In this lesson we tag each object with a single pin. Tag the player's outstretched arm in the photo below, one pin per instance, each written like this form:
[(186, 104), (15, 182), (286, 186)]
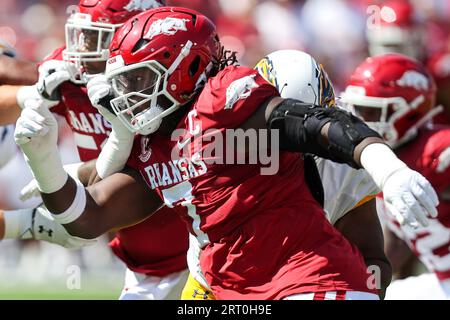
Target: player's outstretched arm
[(9, 107), (42, 85), (38, 224), (17, 72), (337, 135), (120, 200), (14, 74)]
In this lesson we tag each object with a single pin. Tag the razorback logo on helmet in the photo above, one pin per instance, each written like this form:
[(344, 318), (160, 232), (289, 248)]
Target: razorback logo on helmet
[(142, 5), (240, 89), (168, 26), (414, 79)]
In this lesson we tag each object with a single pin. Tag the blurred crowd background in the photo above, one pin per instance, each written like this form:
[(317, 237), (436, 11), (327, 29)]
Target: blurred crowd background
[(333, 31)]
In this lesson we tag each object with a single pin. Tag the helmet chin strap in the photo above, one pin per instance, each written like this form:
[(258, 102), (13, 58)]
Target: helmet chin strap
[(154, 113), (183, 54)]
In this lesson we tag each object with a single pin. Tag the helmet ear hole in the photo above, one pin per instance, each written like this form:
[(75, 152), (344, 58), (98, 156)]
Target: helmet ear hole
[(194, 66)]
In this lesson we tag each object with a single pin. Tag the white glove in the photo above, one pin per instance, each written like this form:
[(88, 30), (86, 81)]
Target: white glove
[(117, 149), (37, 134), (30, 92), (31, 189), (52, 74), (98, 87), (409, 197), (38, 223)]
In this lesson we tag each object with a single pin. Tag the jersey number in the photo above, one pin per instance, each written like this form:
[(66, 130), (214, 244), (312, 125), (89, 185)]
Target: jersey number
[(183, 192)]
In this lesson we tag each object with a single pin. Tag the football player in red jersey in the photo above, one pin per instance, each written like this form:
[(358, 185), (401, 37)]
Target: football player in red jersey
[(156, 263), (401, 31), (167, 71), (397, 31), (439, 66), (346, 194), (396, 96)]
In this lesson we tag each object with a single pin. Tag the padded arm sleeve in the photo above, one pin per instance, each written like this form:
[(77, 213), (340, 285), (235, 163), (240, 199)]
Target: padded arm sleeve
[(300, 125)]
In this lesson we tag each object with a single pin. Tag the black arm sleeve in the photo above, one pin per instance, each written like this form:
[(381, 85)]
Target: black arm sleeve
[(300, 125)]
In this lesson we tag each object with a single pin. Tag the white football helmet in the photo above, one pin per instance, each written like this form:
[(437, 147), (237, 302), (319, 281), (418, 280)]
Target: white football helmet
[(297, 75)]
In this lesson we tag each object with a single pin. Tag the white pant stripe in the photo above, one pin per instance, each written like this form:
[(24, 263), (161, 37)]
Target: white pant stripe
[(300, 296), (330, 295)]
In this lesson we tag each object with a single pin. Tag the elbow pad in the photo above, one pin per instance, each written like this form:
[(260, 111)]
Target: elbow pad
[(300, 124)]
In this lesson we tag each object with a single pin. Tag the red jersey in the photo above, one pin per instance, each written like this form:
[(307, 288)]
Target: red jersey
[(146, 247), (429, 154), (263, 237), (442, 118)]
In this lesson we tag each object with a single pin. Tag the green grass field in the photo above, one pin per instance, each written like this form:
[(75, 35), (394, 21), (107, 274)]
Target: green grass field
[(91, 288)]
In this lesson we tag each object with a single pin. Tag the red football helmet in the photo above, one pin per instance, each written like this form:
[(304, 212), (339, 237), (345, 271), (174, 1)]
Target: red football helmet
[(394, 94), (399, 31), (439, 66), (159, 60), (89, 31)]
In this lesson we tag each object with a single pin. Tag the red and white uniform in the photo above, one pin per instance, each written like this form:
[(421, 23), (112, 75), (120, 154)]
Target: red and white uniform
[(345, 188), (157, 246), (429, 154), (439, 66), (239, 215)]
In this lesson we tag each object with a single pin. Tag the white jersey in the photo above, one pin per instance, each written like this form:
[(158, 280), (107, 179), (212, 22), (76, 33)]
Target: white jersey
[(7, 144), (344, 188)]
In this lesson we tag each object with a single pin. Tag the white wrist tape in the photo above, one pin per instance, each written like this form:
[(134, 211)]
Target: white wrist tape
[(49, 173), (76, 209), (114, 154), (26, 92), (380, 162), (18, 224)]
